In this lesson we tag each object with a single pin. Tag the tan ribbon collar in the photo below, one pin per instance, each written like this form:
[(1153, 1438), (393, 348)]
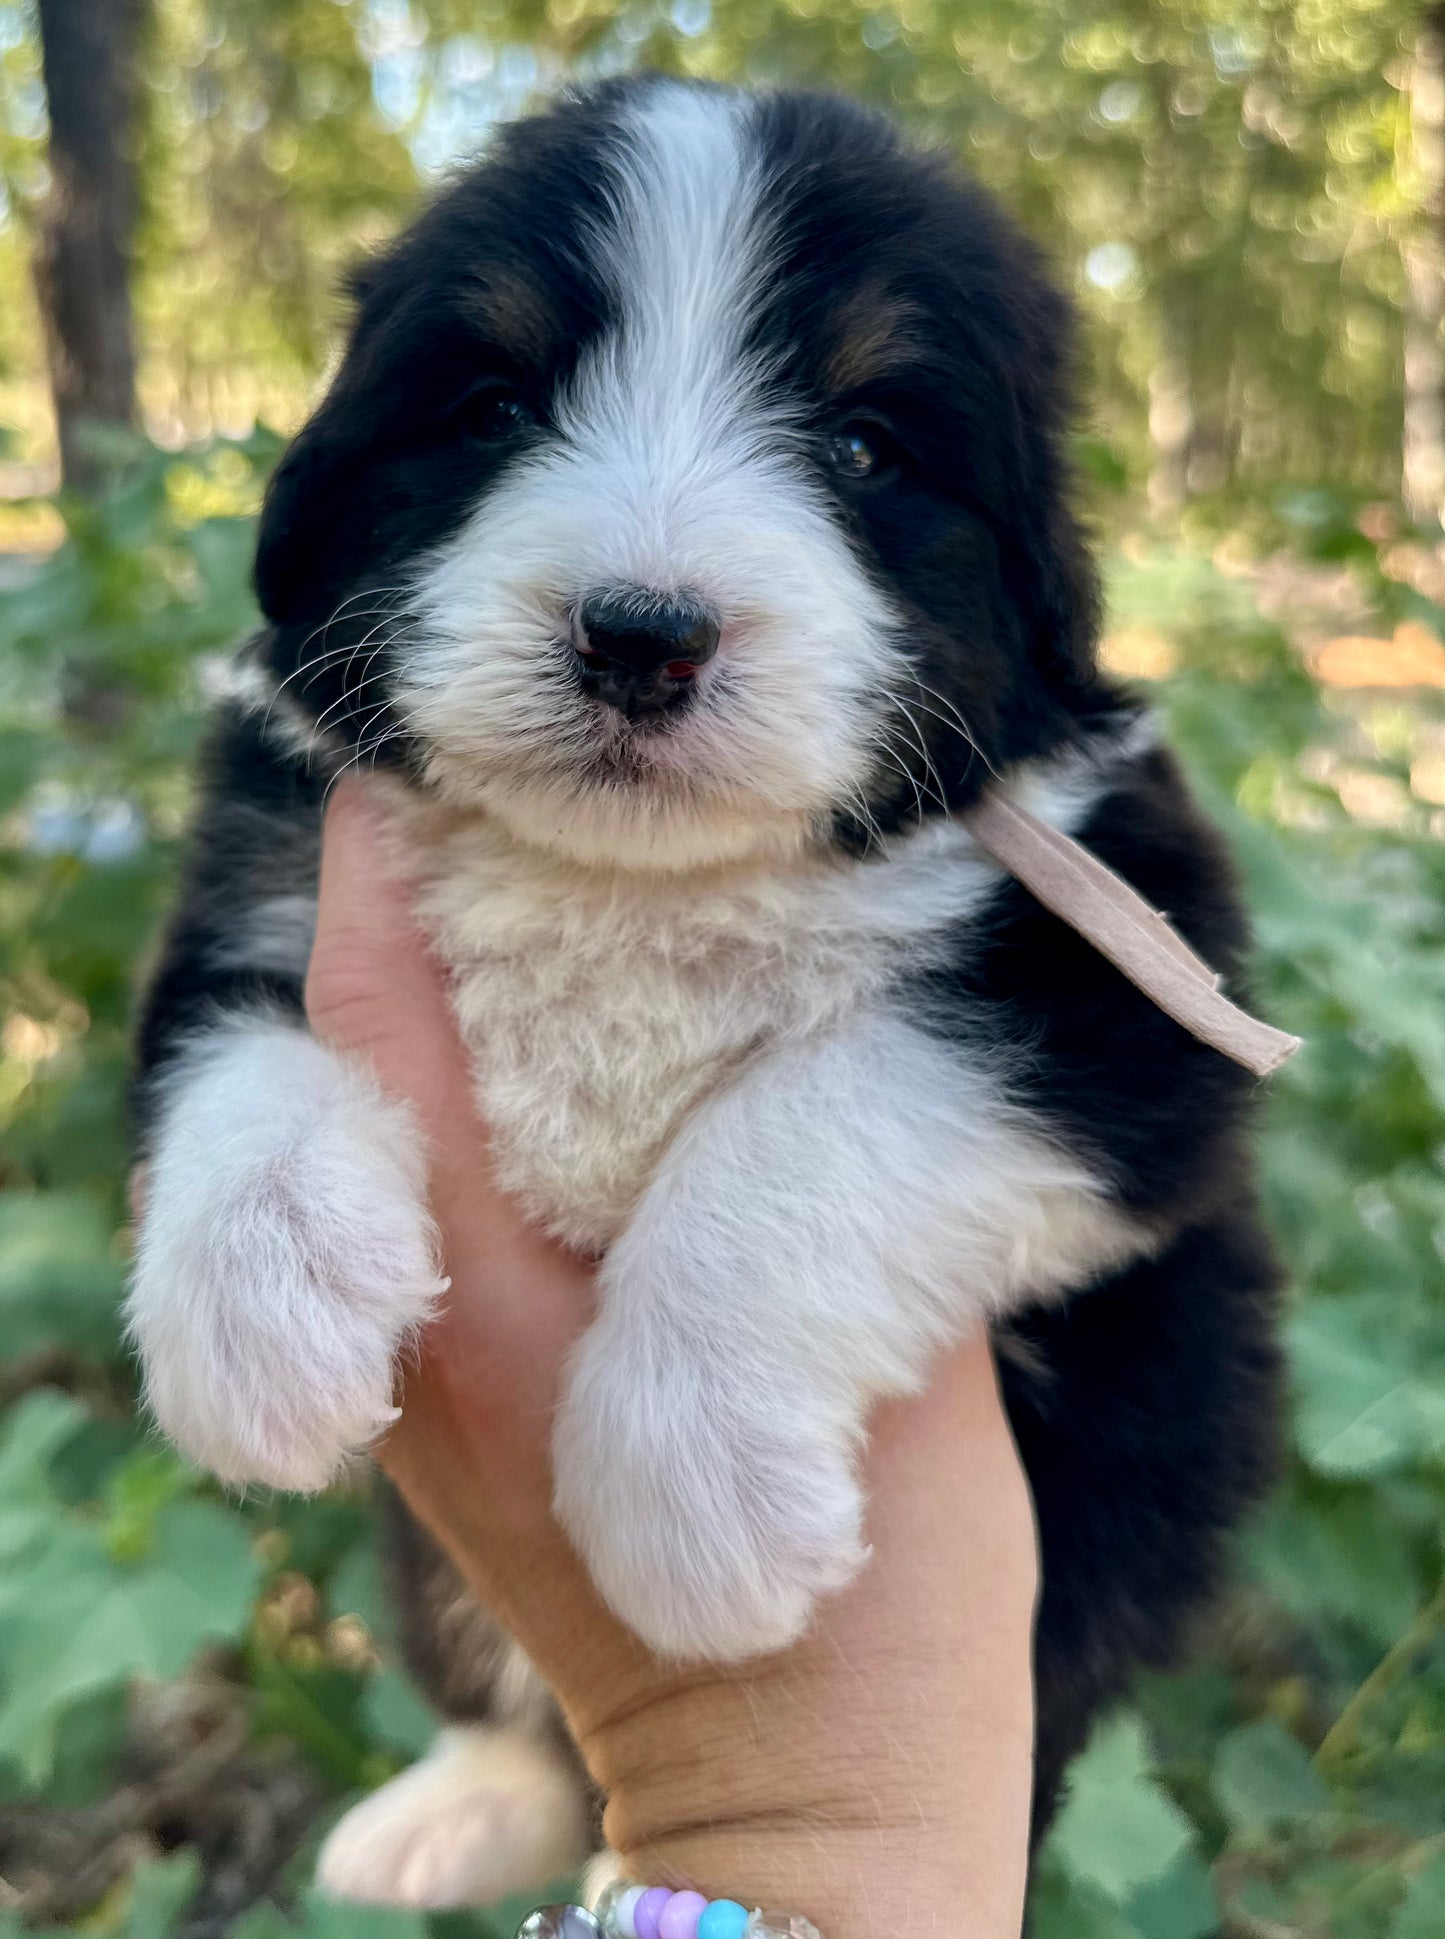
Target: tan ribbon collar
[(1078, 888)]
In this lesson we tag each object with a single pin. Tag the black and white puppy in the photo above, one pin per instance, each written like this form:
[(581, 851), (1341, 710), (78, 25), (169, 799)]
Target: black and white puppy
[(686, 532)]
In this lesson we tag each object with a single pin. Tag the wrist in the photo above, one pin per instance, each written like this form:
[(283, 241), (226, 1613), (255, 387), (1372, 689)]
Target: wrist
[(783, 1785), (849, 1885)]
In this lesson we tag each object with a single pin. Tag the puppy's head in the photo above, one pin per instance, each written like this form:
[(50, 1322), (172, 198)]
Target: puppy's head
[(691, 484)]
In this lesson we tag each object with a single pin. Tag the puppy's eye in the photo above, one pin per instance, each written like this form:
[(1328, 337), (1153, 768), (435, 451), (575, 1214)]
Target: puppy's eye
[(852, 454), (492, 411), (860, 451)]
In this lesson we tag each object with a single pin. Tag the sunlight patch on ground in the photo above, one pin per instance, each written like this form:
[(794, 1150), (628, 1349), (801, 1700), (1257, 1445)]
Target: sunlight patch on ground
[(1138, 653), (1411, 657)]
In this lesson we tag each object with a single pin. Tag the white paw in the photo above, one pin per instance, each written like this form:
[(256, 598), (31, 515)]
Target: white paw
[(485, 1813), (285, 1258), (711, 1514)]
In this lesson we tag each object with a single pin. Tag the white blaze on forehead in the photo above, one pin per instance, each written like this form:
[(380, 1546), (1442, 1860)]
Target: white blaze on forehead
[(668, 400), (684, 255)]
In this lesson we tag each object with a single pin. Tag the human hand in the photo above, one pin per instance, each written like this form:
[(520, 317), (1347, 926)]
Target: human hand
[(876, 1775)]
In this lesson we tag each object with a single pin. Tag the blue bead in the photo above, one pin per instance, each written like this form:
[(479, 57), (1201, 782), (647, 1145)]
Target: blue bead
[(723, 1919)]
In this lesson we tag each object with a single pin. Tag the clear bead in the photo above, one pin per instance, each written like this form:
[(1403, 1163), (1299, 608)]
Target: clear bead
[(781, 1925), (559, 1922), (608, 1905)]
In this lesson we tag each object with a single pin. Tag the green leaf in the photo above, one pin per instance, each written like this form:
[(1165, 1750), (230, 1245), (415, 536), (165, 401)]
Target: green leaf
[(1328, 1555), (88, 1738), (1263, 1777), (1356, 1412), (35, 1428), (396, 1714), (22, 756), (1117, 1829), (79, 1622), (159, 1892), (1181, 1905), (197, 1585), (138, 1489), (34, 1431), (1066, 1908), (264, 1920), (357, 1589), (1421, 1914), (328, 1919)]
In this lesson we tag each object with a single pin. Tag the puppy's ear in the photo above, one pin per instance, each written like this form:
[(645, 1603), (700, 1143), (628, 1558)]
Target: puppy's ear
[(297, 515), (1055, 580), (1060, 592), (311, 499)]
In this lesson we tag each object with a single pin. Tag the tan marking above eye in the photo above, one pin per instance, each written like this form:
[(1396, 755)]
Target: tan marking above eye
[(870, 334), (515, 313)]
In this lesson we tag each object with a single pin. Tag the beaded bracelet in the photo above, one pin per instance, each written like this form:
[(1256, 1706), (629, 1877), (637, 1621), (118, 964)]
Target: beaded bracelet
[(642, 1912)]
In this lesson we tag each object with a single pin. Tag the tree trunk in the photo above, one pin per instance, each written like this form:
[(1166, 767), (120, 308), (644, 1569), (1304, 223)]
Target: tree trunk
[(1424, 426), (87, 222)]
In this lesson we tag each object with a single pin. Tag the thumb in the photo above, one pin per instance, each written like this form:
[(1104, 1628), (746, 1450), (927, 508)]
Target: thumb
[(373, 989)]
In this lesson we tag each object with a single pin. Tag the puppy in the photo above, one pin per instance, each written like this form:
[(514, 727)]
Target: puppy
[(686, 533)]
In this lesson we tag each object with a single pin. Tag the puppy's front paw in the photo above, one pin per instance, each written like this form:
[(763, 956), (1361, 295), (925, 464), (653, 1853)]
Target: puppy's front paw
[(711, 1516), (285, 1257)]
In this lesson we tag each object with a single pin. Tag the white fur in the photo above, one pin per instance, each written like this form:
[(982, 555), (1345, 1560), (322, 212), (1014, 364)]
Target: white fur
[(602, 1006), (285, 1257), (666, 469), (818, 1230), (486, 1812)]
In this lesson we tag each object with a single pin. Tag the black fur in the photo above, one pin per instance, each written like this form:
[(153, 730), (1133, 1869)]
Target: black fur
[(257, 835), (1144, 1407)]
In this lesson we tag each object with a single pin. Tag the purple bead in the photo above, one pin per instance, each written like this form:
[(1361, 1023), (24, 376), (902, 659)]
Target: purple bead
[(680, 1916), (649, 1911)]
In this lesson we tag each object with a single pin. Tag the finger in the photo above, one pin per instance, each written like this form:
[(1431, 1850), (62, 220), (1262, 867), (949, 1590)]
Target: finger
[(373, 988)]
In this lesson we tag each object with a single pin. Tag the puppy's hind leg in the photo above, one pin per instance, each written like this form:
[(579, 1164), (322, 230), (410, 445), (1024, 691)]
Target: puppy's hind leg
[(489, 1810), (501, 1802)]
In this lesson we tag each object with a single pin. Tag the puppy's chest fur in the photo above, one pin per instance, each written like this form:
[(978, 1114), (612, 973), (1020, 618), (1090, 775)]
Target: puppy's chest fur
[(599, 1009)]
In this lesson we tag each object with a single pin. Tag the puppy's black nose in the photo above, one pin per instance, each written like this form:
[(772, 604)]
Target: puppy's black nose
[(639, 652)]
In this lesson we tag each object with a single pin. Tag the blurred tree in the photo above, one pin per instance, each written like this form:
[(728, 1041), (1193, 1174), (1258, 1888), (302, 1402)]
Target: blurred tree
[(1230, 185), (1424, 413), (269, 167), (86, 224)]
